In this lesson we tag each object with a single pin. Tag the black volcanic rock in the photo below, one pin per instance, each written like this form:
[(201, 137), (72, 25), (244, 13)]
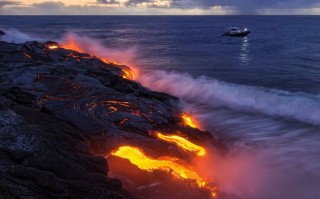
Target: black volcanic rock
[(61, 111)]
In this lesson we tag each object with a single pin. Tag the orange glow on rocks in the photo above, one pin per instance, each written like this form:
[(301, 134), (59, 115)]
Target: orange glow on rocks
[(187, 120), (182, 143)]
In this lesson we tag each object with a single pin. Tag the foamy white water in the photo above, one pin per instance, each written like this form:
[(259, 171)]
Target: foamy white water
[(210, 92)]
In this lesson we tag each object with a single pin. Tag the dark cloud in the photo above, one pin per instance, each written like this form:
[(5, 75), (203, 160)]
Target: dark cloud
[(49, 5), (6, 3), (243, 6), (178, 7), (132, 3), (193, 3), (247, 6), (107, 2), (135, 2)]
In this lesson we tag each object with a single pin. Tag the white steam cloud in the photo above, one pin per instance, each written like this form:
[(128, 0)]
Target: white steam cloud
[(94, 47), (16, 36)]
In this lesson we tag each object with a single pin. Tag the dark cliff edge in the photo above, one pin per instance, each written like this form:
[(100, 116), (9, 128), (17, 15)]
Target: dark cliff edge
[(62, 111)]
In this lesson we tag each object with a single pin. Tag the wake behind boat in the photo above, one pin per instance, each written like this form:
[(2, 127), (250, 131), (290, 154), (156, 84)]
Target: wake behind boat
[(236, 32)]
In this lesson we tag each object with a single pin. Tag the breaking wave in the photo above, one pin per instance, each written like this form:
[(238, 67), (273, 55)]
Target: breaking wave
[(210, 92)]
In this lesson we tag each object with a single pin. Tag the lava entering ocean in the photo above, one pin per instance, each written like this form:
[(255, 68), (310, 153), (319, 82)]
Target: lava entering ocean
[(168, 164), (172, 165)]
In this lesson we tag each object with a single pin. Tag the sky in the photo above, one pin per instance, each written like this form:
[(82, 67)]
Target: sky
[(159, 7)]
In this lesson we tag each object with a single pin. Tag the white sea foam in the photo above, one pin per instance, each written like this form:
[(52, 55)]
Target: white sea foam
[(210, 92)]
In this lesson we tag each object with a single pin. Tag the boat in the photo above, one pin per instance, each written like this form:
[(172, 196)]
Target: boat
[(236, 32)]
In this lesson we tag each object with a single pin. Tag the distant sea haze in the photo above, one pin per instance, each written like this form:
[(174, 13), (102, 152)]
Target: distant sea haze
[(261, 91)]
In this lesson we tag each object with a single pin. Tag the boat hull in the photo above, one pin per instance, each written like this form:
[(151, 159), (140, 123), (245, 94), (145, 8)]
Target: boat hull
[(242, 34)]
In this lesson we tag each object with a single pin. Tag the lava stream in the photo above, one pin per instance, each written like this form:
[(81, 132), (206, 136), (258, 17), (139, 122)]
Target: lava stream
[(169, 164), (128, 73), (187, 120), (52, 46), (182, 143)]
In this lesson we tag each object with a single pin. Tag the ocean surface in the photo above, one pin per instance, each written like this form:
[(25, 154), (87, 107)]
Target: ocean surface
[(261, 92)]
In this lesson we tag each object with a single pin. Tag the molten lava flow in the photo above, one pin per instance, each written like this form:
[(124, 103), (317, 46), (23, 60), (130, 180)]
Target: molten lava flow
[(183, 143), (107, 61), (138, 158), (127, 72), (188, 120), (53, 47)]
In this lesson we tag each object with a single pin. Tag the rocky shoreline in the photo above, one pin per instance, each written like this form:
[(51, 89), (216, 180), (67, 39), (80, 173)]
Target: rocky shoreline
[(62, 112)]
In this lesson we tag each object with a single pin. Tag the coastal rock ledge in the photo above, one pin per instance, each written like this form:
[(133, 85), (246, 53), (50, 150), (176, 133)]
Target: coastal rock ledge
[(61, 114)]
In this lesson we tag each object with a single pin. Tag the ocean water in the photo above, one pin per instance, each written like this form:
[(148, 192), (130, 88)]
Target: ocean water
[(261, 92)]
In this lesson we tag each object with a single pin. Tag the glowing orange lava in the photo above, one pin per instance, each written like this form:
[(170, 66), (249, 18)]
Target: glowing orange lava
[(188, 120), (107, 61), (127, 72), (138, 158), (182, 143), (53, 47), (169, 164)]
